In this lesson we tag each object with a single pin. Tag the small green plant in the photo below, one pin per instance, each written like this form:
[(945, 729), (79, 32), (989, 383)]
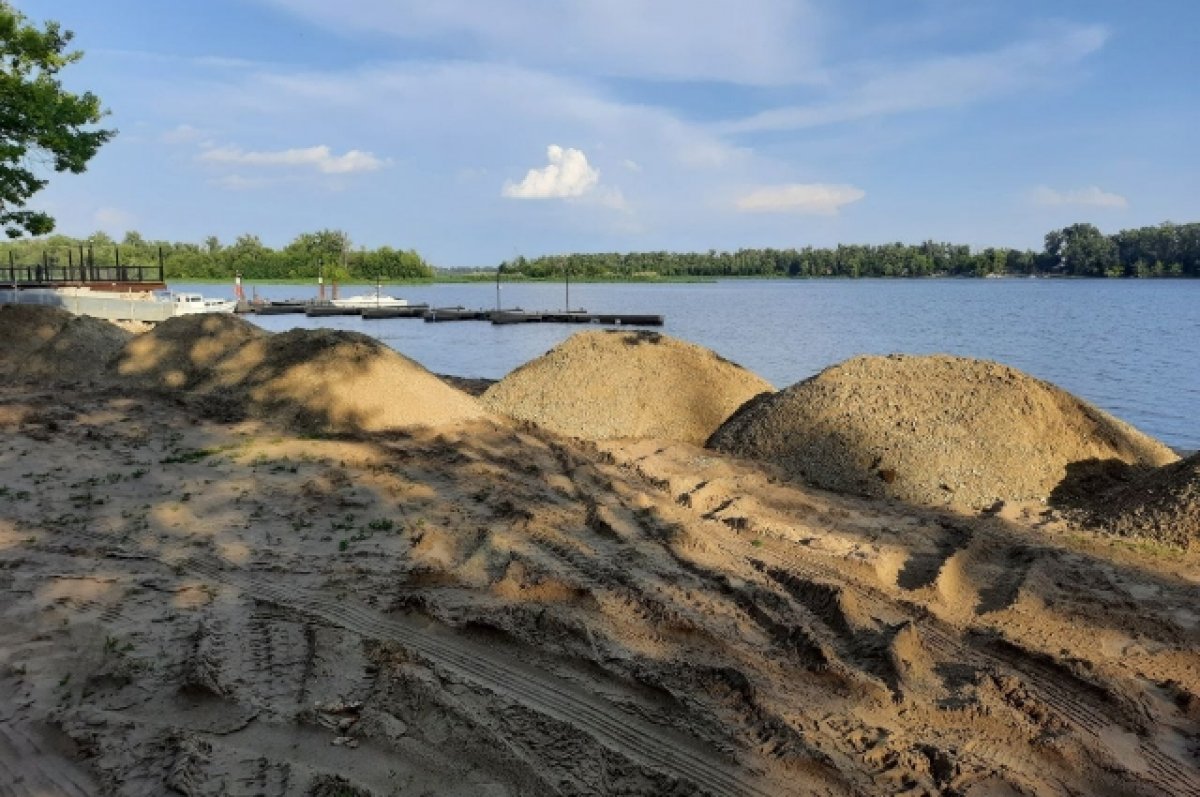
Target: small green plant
[(343, 544), (189, 455), (381, 524)]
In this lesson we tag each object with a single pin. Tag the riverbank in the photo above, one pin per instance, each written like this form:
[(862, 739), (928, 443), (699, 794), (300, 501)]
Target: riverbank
[(201, 592)]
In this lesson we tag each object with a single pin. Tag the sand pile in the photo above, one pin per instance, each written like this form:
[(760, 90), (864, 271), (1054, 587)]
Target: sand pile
[(312, 380), (608, 384), (45, 343), (1162, 505), (935, 429), (185, 352)]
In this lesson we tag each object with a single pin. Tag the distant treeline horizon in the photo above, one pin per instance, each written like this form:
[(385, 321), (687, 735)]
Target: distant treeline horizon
[(1079, 250)]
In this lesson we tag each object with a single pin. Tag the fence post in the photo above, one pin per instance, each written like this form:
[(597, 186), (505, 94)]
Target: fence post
[(162, 274)]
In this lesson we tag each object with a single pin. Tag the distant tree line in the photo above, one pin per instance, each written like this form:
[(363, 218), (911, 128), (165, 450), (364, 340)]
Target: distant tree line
[(1080, 250), (327, 251)]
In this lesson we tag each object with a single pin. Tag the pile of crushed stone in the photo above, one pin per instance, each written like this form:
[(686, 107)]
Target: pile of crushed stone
[(607, 384), (931, 430), (48, 344), (313, 380), (1162, 505)]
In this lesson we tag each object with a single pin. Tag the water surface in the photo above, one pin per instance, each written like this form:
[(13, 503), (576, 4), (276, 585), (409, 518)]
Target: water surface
[(1131, 347)]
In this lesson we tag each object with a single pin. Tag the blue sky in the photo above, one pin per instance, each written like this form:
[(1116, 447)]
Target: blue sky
[(474, 130)]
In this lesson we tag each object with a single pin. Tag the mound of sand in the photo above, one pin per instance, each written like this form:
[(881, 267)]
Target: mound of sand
[(310, 380), (932, 430), (185, 352), (1162, 505), (44, 343), (608, 384)]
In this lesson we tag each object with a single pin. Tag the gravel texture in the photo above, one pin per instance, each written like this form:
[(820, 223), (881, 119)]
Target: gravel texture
[(1162, 505), (608, 384), (931, 430)]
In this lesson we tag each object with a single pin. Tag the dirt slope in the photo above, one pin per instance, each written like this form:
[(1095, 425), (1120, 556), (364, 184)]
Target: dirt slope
[(44, 343), (311, 380), (1161, 505), (605, 384), (205, 608), (931, 430)]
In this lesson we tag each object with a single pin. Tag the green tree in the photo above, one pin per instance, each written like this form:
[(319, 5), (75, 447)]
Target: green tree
[(1082, 250), (41, 124)]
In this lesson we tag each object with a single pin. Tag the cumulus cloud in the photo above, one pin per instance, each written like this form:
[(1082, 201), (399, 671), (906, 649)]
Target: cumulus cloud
[(567, 174), (320, 157), (1092, 197), (813, 198)]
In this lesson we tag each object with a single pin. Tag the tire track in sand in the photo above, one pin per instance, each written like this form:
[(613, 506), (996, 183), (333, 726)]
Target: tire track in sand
[(1085, 711), (656, 747)]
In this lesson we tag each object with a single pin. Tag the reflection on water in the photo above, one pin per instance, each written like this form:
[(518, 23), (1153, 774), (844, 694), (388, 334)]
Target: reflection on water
[(1129, 346)]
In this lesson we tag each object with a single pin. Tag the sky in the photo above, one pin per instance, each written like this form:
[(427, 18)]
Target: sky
[(477, 130)]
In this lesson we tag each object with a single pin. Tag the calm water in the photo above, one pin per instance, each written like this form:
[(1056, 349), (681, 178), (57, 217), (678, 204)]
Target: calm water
[(1131, 347)]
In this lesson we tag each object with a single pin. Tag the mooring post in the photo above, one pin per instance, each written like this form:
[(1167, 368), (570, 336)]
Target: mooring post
[(498, 270), (162, 274)]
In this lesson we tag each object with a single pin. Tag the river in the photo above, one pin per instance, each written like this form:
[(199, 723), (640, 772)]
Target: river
[(1131, 347)]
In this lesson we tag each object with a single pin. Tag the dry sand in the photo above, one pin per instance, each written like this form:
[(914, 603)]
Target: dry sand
[(1161, 505), (605, 384), (43, 343), (210, 608), (312, 380), (932, 430)]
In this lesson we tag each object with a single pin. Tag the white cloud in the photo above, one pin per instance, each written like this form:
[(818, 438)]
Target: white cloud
[(567, 174), (939, 82), (813, 198), (1092, 196), (113, 220), (319, 157), (738, 41)]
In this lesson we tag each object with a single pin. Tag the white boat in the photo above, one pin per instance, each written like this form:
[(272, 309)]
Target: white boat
[(189, 303), (376, 299)]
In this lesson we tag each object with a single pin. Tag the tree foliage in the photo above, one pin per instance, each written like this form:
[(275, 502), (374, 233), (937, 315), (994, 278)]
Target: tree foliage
[(41, 124), (1080, 250), (326, 252)]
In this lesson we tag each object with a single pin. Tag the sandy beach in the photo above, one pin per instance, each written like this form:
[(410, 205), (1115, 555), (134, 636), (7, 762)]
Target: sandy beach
[(267, 579)]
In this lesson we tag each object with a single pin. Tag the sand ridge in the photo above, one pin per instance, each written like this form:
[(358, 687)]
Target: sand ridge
[(615, 383), (931, 430), (45, 343), (316, 380)]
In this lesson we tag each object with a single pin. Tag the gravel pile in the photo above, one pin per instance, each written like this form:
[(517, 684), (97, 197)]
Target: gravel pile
[(931, 430), (1162, 505), (607, 384), (49, 344), (311, 380)]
